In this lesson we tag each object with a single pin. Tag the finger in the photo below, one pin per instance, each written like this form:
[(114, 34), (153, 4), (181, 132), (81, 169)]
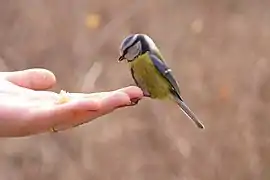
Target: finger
[(76, 111), (80, 105), (115, 100), (110, 102), (80, 110), (132, 92), (108, 105), (36, 79)]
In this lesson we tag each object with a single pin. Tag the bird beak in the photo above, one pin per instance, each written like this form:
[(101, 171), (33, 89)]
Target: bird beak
[(121, 58)]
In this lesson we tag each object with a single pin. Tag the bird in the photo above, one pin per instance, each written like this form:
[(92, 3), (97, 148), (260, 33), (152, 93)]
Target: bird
[(151, 73)]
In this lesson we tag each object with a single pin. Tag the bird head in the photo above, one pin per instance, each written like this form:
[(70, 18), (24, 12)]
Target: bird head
[(135, 45)]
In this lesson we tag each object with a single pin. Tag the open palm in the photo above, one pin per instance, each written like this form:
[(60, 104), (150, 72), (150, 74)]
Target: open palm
[(26, 108)]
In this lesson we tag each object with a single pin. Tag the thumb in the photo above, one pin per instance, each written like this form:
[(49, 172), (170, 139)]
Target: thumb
[(36, 79)]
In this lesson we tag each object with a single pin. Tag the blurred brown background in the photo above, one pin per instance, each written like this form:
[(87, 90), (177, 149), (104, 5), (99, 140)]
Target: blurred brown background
[(219, 52)]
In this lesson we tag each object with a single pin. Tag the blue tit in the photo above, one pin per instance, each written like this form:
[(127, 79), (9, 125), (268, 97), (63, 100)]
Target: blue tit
[(150, 72)]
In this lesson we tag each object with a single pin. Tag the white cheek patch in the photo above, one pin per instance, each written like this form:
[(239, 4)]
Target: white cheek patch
[(133, 51), (129, 56)]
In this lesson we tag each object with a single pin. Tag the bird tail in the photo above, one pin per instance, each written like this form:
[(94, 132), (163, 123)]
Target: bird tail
[(188, 112)]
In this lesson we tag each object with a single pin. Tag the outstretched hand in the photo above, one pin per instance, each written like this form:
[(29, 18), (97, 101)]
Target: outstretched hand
[(27, 109)]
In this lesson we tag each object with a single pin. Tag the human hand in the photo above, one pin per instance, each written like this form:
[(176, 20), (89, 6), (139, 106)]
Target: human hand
[(27, 109)]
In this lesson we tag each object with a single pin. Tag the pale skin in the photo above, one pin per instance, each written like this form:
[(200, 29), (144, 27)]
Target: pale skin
[(27, 107)]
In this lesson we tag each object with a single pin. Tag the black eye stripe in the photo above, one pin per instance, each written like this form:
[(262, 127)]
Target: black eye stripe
[(126, 50)]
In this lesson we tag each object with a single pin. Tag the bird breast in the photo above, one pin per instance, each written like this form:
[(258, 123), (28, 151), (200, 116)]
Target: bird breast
[(150, 78)]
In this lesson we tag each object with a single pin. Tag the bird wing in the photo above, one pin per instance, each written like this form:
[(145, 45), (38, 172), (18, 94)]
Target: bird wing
[(165, 71), (158, 55)]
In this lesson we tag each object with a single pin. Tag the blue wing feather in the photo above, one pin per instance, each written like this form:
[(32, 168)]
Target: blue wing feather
[(165, 71)]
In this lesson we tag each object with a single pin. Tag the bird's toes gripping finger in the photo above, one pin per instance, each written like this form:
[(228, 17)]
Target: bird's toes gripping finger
[(134, 101), (145, 94)]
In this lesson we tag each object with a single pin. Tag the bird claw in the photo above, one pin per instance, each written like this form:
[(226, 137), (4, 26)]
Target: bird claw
[(134, 101), (145, 93)]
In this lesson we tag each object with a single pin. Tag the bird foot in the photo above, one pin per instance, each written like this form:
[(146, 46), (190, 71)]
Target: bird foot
[(145, 93), (134, 101)]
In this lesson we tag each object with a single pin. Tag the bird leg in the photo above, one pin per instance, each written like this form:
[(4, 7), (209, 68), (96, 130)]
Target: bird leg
[(134, 101), (145, 93)]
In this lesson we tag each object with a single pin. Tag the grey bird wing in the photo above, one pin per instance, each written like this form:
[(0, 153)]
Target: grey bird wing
[(145, 92), (165, 71)]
